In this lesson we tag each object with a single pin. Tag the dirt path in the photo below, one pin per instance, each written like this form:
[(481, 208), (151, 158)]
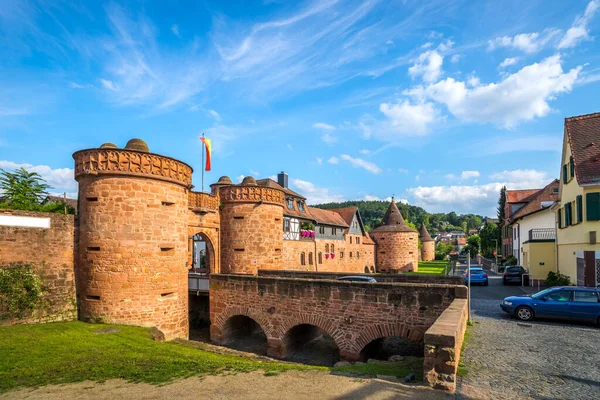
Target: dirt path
[(248, 386)]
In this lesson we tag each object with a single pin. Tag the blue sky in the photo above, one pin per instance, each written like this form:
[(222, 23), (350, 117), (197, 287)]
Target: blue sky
[(437, 102)]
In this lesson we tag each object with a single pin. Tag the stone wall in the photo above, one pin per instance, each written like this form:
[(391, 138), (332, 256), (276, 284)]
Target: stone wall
[(397, 251), (353, 314), (50, 252), (350, 258), (443, 343), (412, 278)]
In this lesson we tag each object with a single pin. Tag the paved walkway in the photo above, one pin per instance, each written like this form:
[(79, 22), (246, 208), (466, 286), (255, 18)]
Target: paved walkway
[(507, 359)]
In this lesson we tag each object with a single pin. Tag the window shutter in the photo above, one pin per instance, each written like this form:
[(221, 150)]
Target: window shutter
[(592, 206), (560, 217), (579, 208), (564, 173), (572, 166), (567, 214)]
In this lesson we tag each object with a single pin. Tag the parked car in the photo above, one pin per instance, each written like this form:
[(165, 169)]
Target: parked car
[(357, 279), (478, 275), (568, 303), (514, 274)]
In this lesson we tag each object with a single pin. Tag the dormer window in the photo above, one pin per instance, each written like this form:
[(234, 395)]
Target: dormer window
[(301, 206), (555, 190), (290, 203)]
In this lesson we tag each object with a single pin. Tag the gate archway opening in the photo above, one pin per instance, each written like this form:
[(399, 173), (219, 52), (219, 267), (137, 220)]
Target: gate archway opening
[(385, 347), (310, 344), (243, 333), (201, 262), (203, 254)]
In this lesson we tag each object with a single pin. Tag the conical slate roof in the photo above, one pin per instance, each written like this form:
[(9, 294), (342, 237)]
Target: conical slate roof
[(393, 221), (424, 234)]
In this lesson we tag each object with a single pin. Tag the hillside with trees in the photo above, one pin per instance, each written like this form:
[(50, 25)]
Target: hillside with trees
[(373, 211)]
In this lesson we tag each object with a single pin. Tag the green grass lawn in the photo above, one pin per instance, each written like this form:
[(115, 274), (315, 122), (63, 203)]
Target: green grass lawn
[(431, 268), (36, 355)]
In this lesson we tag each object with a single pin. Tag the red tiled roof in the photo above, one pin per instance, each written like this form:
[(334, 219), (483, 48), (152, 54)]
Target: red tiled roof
[(327, 217), (519, 196), (61, 199), (347, 213), (535, 202), (461, 241), (268, 182), (584, 136), (393, 221)]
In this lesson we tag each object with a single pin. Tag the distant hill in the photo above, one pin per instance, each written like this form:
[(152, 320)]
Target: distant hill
[(373, 211)]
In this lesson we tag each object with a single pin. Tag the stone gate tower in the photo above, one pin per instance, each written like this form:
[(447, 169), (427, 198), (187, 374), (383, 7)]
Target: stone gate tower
[(427, 244), (251, 227), (133, 237), (397, 243)]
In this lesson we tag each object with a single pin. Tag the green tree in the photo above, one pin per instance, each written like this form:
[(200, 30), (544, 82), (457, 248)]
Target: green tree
[(501, 216), (473, 244), (489, 235), (23, 190)]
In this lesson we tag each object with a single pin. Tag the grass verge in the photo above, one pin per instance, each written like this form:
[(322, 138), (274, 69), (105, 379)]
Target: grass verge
[(398, 369), (462, 370), (37, 355), (431, 268)]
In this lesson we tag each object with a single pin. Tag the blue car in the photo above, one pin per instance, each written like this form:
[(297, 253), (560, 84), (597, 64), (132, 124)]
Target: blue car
[(567, 303), (478, 275)]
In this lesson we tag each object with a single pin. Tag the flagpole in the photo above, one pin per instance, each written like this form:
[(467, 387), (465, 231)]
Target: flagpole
[(203, 146)]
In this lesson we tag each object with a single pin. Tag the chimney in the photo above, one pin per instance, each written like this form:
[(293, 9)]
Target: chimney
[(282, 179)]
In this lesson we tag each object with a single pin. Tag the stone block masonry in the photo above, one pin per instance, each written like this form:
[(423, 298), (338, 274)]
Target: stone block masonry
[(408, 278), (353, 314), (50, 252), (443, 343)]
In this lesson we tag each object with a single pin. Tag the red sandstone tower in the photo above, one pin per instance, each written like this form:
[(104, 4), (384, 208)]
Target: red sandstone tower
[(251, 227), (427, 244), (133, 237), (397, 243)]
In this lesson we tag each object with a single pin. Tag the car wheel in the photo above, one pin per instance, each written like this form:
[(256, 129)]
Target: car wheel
[(485, 283), (524, 313)]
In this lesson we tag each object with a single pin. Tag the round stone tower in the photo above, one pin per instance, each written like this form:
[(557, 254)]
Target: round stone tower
[(133, 237), (397, 243), (427, 244), (251, 227)]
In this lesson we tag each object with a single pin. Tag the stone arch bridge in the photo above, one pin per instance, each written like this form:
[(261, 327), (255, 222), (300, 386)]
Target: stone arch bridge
[(353, 314)]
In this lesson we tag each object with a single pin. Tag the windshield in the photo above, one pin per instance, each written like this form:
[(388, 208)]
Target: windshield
[(476, 270), (541, 294)]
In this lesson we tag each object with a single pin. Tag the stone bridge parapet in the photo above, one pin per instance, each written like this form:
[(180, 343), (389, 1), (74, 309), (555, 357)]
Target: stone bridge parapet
[(407, 278), (353, 314)]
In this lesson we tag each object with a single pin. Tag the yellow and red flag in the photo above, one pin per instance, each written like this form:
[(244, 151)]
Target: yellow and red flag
[(207, 145)]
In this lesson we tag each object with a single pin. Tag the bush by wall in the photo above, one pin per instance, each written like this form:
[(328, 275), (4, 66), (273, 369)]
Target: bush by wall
[(557, 279), (20, 291)]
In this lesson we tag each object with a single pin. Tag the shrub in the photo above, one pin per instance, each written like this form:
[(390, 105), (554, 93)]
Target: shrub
[(440, 256), (20, 291), (557, 279), (511, 260)]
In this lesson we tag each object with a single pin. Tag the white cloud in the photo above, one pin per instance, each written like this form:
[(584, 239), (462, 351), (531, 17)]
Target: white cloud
[(333, 160), (579, 30), (500, 144), (527, 42), (59, 178), (290, 148), (110, 85), (319, 160), (360, 163), (314, 194), (402, 119), (369, 197), (521, 96), (403, 171), (329, 139), (455, 58), (214, 114), (365, 151), (323, 126), (508, 62), (428, 66), (240, 178), (175, 30), (256, 174), (469, 174), (75, 85), (480, 199)]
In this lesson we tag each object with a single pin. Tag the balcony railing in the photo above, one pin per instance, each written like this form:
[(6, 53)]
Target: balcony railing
[(199, 201), (542, 234)]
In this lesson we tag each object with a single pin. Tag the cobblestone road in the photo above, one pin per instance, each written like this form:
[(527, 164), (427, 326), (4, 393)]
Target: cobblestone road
[(507, 359)]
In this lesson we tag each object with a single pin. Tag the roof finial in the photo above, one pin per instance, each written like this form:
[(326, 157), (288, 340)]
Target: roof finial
[(393, 194)]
